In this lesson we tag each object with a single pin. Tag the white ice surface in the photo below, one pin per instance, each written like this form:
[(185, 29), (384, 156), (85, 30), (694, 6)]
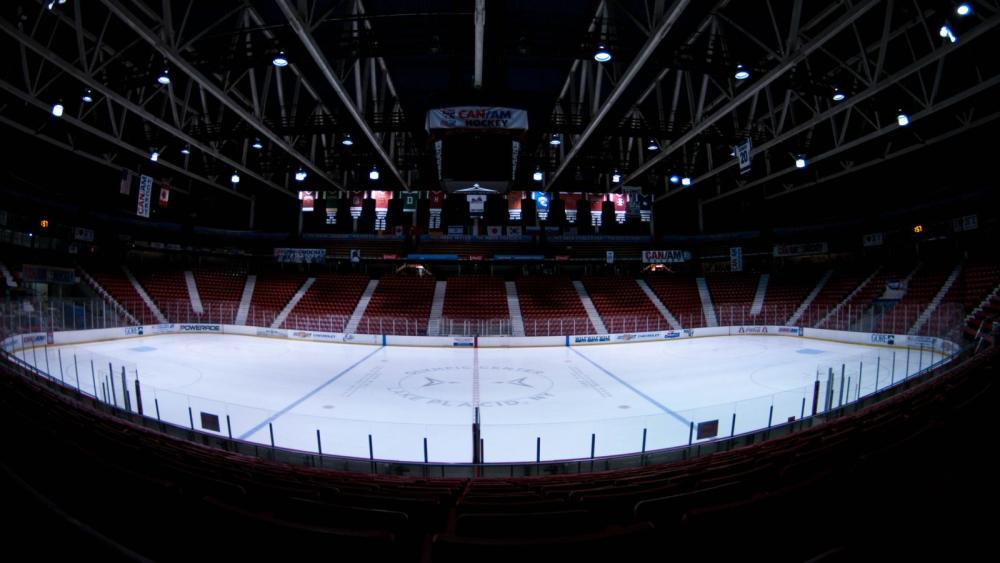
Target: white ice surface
[(401, 395)]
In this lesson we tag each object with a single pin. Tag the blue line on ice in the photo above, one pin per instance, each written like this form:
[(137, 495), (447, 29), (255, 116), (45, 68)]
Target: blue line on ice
[(304, 398), (658, 404)]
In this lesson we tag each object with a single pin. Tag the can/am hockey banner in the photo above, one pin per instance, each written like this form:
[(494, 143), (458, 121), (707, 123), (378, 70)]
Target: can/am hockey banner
[(300, 255), (743, 155), (145, 196), (665, 256), (800, 249), (409, 201), (475, 117), (736, 259)]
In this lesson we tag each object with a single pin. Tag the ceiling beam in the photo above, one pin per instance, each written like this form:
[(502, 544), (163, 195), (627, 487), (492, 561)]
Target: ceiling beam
[(480, 23), (790, 62), (647, 51), (300, 29), (178, 62)]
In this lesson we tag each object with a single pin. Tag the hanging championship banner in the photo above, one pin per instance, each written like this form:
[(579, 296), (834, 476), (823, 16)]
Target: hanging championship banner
[(596, 208), (541, 204), (125, 186), (410, 201), (477, 204), (569, 203), (474, 117), (381, 208), (743, 155), (145, 196), (438, 146), (357, 202), (308, 200), (436, 201), (514, 205), (646, 207), (515, 149), (736, 259), (331, 208), (633, 195)]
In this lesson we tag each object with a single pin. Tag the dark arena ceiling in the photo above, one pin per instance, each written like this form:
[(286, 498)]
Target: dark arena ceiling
[(371, 69)]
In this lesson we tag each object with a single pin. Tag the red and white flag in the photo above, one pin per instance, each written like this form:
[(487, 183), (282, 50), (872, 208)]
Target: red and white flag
[(164, 193)]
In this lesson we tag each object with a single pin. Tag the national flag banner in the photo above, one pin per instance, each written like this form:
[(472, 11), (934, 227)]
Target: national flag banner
[(494, 231), (164, 193), (145, 196), (125, 187), (410, 201), (743, 155)]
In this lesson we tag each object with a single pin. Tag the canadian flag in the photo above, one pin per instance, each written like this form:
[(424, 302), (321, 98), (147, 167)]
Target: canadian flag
[(164, 193)]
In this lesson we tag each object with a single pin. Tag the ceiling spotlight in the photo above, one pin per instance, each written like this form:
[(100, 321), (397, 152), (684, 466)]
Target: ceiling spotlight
[(235, 178), (616, 177), (946, 33), (602, 54), (800, 161), (556, 140), (300, 176), (257, 144), (186, 151), (537, 175), (652, 146), (87, 97), (347, 140), (373, 174), (685, 181), (902, 119), (57, 109), (963, 9), (838, 96), (741, 73), (154, 156), (675, 179), (280, 60), (164, 78)]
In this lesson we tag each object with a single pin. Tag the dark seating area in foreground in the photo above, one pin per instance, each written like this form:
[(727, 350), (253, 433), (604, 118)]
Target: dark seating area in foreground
[(902, 477)]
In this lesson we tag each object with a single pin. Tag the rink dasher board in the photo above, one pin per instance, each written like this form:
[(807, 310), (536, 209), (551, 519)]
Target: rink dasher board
[(892, 341)]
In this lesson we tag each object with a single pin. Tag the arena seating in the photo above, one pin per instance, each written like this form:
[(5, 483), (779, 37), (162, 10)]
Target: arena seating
[(400, 305), (854, 307), (122, 290), (622, 305), (920, 290), (476, 299), (732, 294), (168, 289), (551, 306), (220, 291), (271, 293), (785, 293), (328, 303), (679, 295)]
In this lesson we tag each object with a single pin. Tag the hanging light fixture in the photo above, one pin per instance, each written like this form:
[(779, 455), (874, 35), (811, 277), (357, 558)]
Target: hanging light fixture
[(257, 144), (347, 140), (537, 175), (164, 77), (675, 179), (300, 176), (186, 150), (602, 54), (652, 146), (57, 109), (154, 156), (555, 140), (800, 161), (741, 73), (616, 177), (838, 96), (280, 60), (902, 119), (373, 174), (235, 178), (87, 97)]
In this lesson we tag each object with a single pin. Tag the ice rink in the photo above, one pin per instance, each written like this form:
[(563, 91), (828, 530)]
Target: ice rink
[(358, 400)]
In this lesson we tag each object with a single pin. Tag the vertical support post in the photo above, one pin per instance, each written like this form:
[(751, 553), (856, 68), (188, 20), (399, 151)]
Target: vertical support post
[(643, 440), (802, 414), (229, 427), (76, 368), (691, 433), (191, 417), (156, 403), (732, 426), (125, 398), (892, 377), (319, 446), (770, 416), (61, 378), (538, 449), (93, 377), (593, 442), (840, 394), (920, 359), (425, 449), (906, 371), (45, 349), (878, 366), (270, 429), (815, 397), (111, 378), (138, 396)]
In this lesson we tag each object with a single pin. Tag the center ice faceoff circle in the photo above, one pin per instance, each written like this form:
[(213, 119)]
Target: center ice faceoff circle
[(448, 386)]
